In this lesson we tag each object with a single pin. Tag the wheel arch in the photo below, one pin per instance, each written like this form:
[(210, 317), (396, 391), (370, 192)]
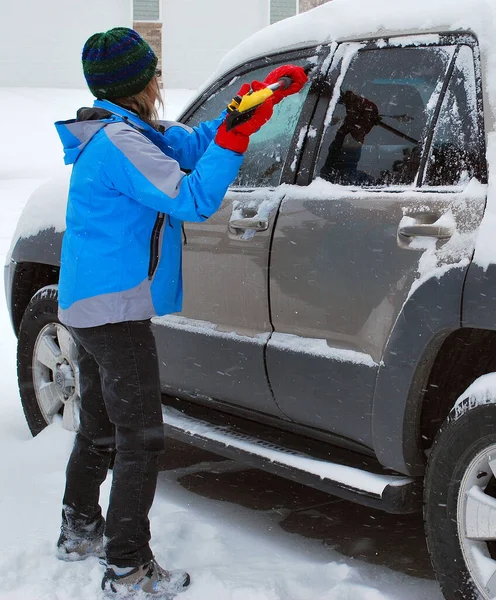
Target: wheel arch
[(464, 356), (430, 314), (34, 263), (450, 363)]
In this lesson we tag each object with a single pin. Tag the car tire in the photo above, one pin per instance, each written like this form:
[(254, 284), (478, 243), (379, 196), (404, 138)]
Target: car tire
[(47, 369), (459, 500)]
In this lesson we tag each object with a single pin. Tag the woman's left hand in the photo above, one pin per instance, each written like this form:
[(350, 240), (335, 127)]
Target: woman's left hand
[(297, 76)]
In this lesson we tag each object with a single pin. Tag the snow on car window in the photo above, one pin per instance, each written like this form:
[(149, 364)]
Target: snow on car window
[(381, 115), (269, 146), (455, 150), (264, 160)]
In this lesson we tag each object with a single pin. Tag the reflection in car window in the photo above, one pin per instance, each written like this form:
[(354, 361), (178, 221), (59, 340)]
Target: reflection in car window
[(386, 101), (268, 149), (455, 149)]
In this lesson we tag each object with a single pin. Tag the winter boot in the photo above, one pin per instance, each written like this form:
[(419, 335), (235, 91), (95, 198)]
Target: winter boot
[(148, 580), (78, 545)]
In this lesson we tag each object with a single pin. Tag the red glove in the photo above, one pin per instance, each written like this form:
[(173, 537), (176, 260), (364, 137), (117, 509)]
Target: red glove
[(297, 74), (238, 138)]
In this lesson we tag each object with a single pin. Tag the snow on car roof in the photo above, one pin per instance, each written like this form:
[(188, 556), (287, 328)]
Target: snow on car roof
[(340, 20)]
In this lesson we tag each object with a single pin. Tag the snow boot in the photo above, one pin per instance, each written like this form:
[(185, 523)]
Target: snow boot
[(148, 580), (72, 545)]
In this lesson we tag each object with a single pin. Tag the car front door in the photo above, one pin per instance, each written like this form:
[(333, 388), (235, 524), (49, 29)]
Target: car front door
[(215, 349), (393, 201)]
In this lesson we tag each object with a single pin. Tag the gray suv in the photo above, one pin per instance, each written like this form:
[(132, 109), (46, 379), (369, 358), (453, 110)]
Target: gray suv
[(336, 314)]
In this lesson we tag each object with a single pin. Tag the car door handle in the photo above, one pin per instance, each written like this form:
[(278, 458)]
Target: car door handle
[(426, 230), (252, 223)]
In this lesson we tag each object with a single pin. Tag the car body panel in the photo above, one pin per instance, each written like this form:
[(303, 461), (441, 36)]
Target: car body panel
[(341, 277), (344, 290), (428, 316), (479, 299), (219, 353), (216, 347), (8, 281), (44, 248)]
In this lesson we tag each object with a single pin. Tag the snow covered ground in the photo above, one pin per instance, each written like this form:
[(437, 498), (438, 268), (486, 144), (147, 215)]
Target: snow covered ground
[(232, 553)]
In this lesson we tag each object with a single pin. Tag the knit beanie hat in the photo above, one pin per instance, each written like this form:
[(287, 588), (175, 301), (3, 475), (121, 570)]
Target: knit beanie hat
[(118, 63)]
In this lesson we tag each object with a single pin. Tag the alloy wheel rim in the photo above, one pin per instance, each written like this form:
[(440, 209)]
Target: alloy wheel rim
[(476, 520), (56, 375)]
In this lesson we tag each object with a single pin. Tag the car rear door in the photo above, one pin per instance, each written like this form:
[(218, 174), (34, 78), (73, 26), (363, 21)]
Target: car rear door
[(394, 202), (215, 349)]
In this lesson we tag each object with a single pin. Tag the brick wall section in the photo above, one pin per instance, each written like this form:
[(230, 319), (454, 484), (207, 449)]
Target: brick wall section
[(308, 4), (152, 33)]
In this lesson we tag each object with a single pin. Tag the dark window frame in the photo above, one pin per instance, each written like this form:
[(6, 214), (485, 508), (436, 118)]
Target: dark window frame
[(311, 146), (480, 166), (294, 154)]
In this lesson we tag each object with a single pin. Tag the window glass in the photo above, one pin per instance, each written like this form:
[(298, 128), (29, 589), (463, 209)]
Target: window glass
[(455, 146), (146, 10), (386, 102), (282, 9), (268, 149)]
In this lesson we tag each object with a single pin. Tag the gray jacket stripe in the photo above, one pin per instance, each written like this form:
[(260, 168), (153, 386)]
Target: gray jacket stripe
[(129, 305), (85, 130), (168, 124), (160, 170)]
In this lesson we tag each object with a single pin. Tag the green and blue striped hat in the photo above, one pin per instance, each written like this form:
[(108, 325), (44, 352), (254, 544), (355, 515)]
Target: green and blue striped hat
[(118, 63)]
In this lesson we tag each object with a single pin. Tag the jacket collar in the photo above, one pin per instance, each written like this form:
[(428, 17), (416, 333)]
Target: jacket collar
[(125, 114)]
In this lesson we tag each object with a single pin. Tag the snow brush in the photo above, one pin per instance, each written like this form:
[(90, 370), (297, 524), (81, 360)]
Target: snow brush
[(241, 108)]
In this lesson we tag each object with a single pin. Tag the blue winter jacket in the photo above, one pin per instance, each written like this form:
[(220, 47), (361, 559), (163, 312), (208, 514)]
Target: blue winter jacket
[(128, 196)]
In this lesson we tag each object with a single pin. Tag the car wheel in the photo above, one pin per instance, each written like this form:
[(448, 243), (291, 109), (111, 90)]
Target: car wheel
[(460, 503), (47, 367)]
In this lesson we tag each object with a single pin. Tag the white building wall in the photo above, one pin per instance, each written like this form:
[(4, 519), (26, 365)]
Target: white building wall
[(41, 40), (198, 33)]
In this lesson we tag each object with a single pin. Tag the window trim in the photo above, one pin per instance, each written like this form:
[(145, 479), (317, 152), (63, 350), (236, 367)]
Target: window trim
[(435, 118), (288, 176), (480, 167)]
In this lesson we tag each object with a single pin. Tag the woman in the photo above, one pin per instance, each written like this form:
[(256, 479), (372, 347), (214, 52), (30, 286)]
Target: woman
[(121, 265)]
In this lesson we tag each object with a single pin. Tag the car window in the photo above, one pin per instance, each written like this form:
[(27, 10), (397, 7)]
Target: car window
[(455, 150), (268, 149), (385, 104)]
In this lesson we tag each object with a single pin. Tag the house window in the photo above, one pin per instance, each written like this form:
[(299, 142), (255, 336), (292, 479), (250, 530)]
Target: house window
[(305, 5), (146, 10), (281, 9)]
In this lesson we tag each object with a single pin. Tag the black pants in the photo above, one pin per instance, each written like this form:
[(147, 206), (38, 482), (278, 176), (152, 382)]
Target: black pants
[(121, 411)]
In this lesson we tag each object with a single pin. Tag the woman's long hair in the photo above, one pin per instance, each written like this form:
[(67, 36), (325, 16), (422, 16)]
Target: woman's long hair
[(146, 103)]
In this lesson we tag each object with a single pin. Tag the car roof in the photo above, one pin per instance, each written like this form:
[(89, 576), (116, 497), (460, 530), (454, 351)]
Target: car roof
[(346, 20)]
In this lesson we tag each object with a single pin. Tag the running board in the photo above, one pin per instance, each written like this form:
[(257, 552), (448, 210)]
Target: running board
[(391, 493)]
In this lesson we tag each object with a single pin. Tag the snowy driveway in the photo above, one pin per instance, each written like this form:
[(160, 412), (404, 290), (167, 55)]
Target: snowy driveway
[(243, 535)]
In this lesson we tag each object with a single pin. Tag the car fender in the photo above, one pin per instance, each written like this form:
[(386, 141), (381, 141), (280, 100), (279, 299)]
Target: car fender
[(39, 231), (479, 299), (428, 316)]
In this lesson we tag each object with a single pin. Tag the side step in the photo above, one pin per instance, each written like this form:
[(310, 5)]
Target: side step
[(392, 493)]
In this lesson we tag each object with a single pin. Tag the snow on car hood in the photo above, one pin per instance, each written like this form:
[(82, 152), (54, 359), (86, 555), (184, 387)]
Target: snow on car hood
[(45, 209)]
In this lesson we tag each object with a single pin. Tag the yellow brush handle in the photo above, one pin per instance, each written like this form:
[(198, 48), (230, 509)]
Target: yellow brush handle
[(234, 104), (249, 101)]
